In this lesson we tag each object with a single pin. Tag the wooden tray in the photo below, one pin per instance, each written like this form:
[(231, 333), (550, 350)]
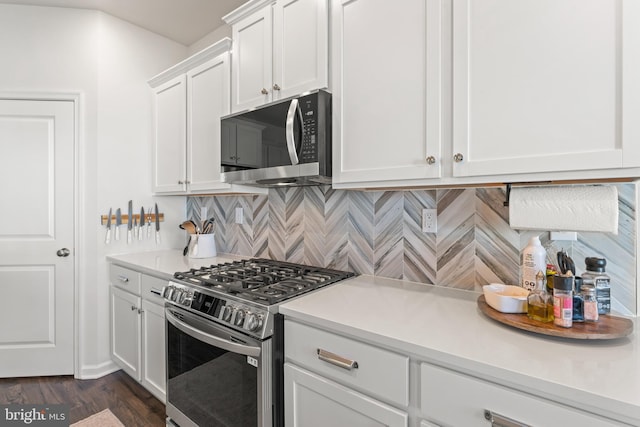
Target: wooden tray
[(606, 328)]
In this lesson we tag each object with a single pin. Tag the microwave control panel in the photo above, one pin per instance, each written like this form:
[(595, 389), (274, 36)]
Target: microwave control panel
[(309, 146)]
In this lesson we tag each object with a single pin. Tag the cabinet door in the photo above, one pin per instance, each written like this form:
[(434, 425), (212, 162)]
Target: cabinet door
[(125, 331), (170, 146), (153, 349), (387, 104), (300, 46), (252, 73), (208, 99), (453, 399), (541, 86), (315, 401)]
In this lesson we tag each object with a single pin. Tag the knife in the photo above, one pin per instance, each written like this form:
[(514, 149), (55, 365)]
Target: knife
[(118, 223), (149, 223), (130, 223), (157, 226), (135, 228), (107, 238), (141, 226)]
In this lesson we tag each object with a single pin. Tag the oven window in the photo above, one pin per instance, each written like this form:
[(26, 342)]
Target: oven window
[(211, 386)]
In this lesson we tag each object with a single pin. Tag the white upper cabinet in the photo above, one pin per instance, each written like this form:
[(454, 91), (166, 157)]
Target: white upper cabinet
[(386, 74), (170, 145), (280, 49), (208, 99), (545, 86), (190, 98)]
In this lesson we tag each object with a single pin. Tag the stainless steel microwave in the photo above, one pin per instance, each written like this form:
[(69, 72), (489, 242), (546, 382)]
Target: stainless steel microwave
[(287, 142)]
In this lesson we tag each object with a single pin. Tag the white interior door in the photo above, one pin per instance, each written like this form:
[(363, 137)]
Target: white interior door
[(36, 223)]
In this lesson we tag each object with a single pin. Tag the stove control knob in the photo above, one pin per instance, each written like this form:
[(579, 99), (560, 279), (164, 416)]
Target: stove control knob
[(239, 319), (177, 294), (168, 291), (186, 301), (254, 321), (227, 312)]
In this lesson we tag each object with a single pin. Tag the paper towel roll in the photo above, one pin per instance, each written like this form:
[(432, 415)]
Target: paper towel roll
[(564, 208)]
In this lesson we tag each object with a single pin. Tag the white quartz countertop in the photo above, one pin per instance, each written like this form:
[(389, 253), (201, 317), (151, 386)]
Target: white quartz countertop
[(445, 326), (167, 262)]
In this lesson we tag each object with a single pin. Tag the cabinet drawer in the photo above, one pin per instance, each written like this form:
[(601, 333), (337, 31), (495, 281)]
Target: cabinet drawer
[(151, 288), (450, 398), (125, 278), (379, 373)]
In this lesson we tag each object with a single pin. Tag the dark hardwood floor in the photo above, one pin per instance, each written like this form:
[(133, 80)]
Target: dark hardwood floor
[(127, 399)]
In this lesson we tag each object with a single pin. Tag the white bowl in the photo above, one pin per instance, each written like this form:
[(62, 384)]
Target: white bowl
[(506, 298)]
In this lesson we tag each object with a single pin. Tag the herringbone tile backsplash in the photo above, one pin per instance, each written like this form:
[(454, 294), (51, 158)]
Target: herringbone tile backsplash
[(379, 233)]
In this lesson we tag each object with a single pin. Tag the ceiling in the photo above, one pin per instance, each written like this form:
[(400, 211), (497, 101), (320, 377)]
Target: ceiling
[(185, 21)]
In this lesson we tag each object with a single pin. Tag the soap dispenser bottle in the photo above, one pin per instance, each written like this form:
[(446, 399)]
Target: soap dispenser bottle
[(534, 260)]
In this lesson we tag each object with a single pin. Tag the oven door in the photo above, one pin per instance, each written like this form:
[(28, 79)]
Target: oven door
[(215, 376)]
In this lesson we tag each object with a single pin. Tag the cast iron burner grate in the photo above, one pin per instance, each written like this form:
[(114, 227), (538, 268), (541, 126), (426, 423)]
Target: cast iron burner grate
[(261, 280)]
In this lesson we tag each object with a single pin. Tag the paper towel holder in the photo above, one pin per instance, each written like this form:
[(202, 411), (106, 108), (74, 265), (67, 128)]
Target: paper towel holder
[(508, 191)]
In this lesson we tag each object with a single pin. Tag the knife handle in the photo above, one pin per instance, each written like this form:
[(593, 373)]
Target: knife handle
[(149, 229), (129, 239), (117, 233), (157, 237), (140, 232), (107, 238)]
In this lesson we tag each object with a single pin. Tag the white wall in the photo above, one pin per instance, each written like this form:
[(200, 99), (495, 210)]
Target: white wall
[(107, 61), (211, 38)]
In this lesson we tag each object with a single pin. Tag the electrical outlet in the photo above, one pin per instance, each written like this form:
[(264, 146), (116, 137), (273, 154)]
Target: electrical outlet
[(429, 220), (564, 235), (239, 216)]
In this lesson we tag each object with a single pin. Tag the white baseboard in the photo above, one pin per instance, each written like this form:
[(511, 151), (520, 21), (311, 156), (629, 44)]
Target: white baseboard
[(91, 372)]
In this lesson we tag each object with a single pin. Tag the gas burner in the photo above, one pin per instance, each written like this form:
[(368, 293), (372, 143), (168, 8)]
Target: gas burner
[(260, 280)]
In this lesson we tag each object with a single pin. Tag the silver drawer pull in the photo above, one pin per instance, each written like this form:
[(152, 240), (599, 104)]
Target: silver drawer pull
[(334, 359), (156, 291), (124, 279), (498, 420)]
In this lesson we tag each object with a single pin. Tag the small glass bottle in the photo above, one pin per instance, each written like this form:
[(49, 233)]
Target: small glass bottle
[(590, 303), (563, 301), (540, 302), (596, 276), (578, 301)]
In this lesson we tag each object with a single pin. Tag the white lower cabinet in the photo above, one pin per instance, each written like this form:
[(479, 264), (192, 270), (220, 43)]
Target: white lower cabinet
[(138, 329), (312, 400), (333, 380), (449, 398)]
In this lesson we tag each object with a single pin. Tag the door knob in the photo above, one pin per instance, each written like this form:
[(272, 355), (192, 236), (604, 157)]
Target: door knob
[(458, 157), (64, 252), (264, 91), (276, 87)]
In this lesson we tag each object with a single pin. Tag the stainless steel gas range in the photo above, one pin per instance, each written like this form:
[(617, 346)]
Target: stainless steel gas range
[(225, 340)]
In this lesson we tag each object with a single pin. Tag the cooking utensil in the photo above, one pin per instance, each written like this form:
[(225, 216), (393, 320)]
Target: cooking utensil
[(207, 226), (107, 238), (130, 222), (157, 226), (135, 228), (141, 225), (118, 223), (565, 263)]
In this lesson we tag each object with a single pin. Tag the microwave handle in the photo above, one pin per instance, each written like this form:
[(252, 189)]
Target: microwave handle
[(291, 140), (211, 339)]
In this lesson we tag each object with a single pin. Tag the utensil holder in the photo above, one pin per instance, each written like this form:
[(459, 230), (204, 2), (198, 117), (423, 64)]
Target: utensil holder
[(202, 246)]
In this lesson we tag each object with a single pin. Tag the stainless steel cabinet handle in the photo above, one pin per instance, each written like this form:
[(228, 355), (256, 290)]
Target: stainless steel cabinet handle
[(133, 307), (264, 91), (431, 160), (180, 182), (498, 420), (458, 157), (124, 279), (334, 359), (156, 291), (140, 311), (276, 87)]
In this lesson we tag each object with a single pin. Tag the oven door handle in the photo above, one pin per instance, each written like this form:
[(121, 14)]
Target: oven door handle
[(208, 338)]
